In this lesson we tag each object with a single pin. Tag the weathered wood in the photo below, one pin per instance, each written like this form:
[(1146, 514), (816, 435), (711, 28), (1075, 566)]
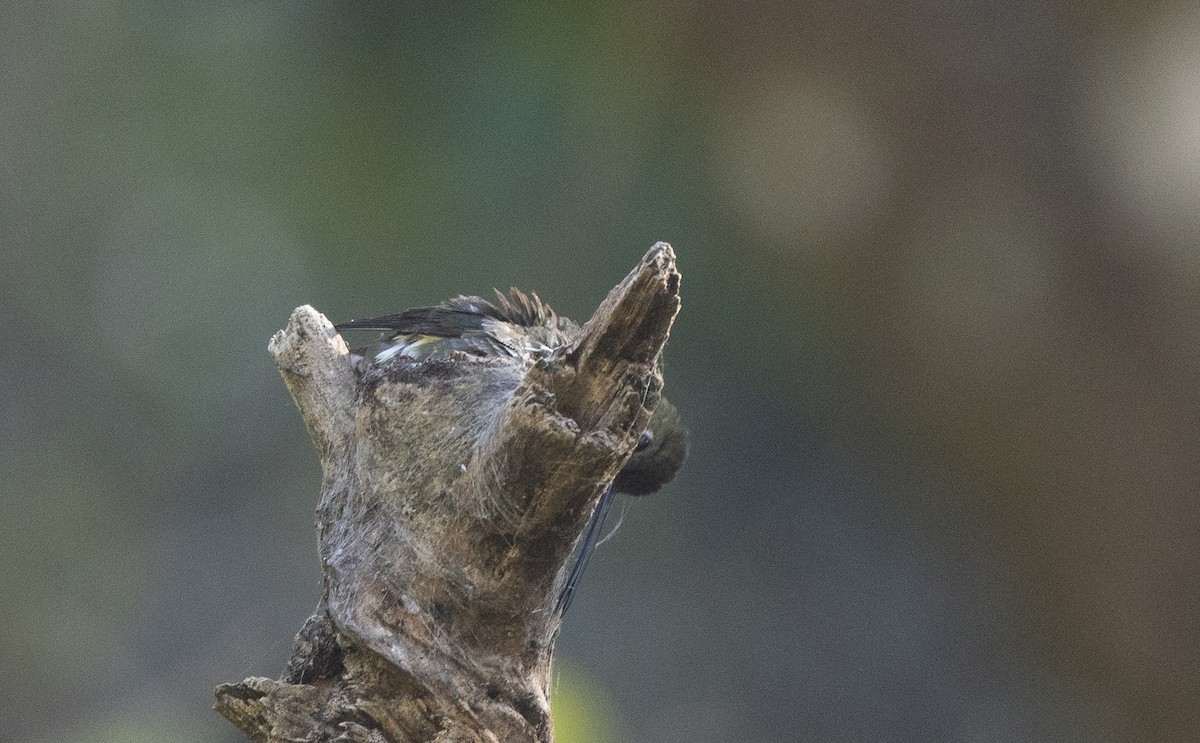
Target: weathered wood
[(453, 493)]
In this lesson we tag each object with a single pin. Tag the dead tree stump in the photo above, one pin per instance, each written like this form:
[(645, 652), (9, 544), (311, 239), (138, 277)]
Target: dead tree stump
[(453, 493)]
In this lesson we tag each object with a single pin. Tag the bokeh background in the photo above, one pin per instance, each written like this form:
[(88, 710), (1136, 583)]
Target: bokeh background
[(938, 347)]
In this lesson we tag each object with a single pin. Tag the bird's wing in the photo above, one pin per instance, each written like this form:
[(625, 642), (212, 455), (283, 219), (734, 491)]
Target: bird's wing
[(439, 321), (590, 540)]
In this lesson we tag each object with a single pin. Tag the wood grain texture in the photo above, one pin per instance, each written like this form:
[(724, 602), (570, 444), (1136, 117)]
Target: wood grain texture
[(454, 490)]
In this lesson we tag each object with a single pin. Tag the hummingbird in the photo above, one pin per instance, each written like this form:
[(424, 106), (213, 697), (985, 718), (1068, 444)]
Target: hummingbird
[(521, 325)]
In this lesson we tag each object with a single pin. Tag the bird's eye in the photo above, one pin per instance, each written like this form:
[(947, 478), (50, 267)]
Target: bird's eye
[(644, 441)]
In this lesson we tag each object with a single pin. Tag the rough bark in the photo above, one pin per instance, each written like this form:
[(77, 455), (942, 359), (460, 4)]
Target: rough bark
[(454, 491)]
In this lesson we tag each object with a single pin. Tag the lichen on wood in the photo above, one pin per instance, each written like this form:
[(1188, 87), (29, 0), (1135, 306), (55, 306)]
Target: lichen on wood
[(454, 490)]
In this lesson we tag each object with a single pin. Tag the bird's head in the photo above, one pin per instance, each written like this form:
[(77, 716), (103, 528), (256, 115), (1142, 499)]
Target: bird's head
[(659, 454)]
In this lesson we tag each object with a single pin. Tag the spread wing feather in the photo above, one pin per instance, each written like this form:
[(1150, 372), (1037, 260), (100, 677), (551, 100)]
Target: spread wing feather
[(454, 317)]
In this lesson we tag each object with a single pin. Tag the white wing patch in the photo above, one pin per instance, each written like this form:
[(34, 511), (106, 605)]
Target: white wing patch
[(405, 345)]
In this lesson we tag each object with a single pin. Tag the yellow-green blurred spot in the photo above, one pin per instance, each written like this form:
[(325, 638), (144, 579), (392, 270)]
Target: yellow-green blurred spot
[(583, 710)]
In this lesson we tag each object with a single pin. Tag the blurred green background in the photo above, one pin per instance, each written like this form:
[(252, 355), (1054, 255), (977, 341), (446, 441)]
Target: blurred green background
[(938, 345)]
